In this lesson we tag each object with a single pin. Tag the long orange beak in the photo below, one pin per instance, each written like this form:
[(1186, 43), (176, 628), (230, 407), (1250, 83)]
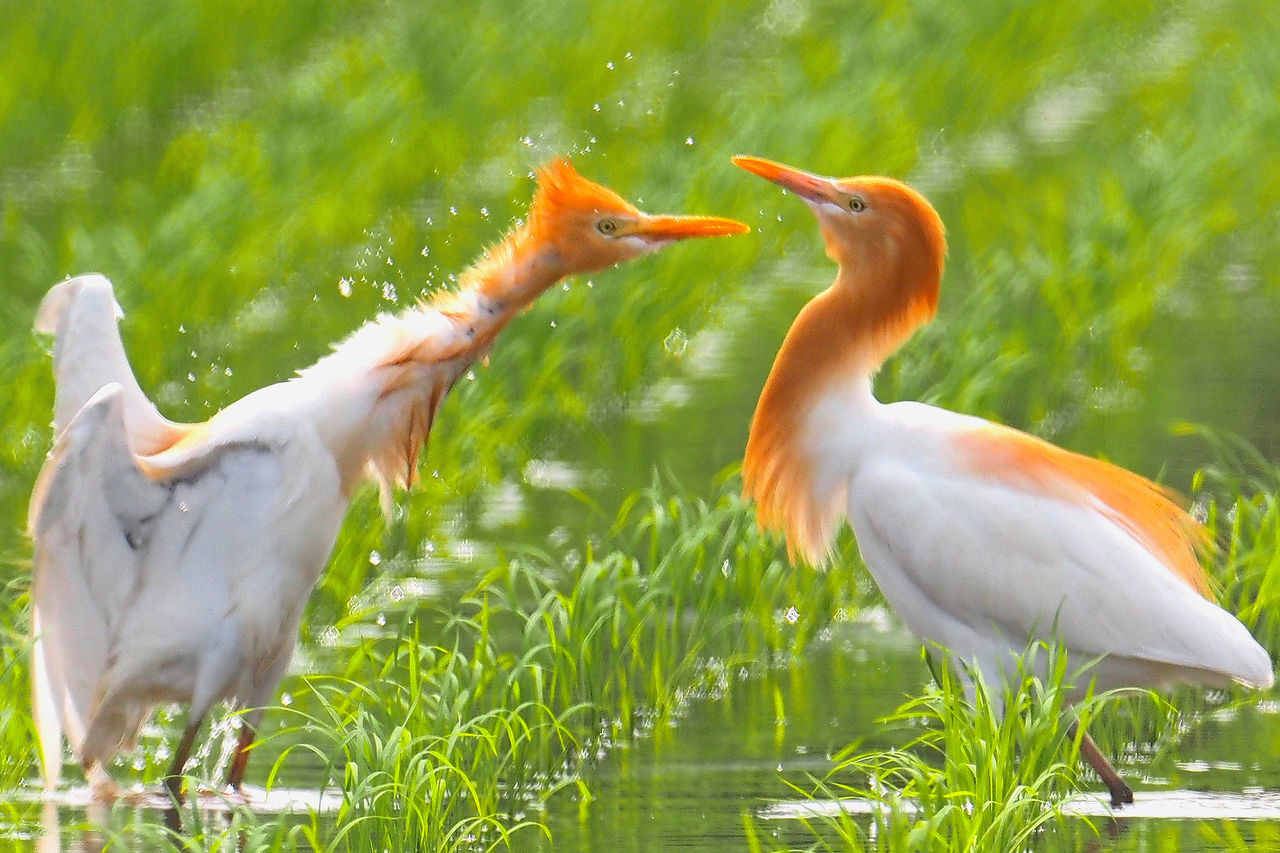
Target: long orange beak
[(807, 185), (661, 228)]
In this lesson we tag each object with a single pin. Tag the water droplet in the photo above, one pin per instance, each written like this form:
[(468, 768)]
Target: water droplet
[(344, 286), (553, 324), (182, 329), (688, 140), (381, 620), (374, 558), (484, 211), (397, 593), (227, 371), (191, 377), (676, 342), (329, 637), (595, 107), (792, 615), (453, 211), (286, 699), (726, 568), (609, 65)]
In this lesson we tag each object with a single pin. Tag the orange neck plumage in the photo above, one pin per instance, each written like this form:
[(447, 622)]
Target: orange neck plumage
[(841, 336)]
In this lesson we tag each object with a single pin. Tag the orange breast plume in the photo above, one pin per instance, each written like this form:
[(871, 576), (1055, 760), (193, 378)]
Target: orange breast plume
[(777, 472)]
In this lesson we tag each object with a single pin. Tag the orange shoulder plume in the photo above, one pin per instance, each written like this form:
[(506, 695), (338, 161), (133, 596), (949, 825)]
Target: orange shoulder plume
[(1149, 512), (562, 191)]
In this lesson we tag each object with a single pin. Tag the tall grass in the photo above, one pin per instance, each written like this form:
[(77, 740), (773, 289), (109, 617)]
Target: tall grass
[(449, 733), (544, 664), (974, 781), (969, 778)]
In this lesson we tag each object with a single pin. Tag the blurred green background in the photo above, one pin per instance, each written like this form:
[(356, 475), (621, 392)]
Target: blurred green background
[(259, 178)]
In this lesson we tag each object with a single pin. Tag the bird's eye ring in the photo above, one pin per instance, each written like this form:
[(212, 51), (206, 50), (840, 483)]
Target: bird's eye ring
[(857, 205), (607, 227)]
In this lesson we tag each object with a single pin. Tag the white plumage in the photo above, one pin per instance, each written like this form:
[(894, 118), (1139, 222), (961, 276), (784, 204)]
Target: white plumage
[(979, 536), (172, 561)]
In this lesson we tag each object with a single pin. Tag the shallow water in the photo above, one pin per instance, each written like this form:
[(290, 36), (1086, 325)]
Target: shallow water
[(691, 787), (730, 757)]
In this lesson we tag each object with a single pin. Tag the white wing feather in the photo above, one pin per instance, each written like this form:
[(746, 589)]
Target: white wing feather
[(82, 313), (90, 509), (979, 567), (175, 585)]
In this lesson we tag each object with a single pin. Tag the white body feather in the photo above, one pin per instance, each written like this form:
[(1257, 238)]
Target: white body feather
[(181, 575), (172, 561), (977, 566)]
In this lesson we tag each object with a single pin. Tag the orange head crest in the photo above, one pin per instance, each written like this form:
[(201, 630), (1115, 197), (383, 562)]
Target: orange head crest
[(592, 227)]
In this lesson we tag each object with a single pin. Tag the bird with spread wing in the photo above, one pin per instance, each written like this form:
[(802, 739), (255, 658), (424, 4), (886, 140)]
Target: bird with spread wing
[(172, 560)]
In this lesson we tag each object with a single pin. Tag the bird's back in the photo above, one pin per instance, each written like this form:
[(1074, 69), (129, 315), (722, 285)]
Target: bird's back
[(979, 559)]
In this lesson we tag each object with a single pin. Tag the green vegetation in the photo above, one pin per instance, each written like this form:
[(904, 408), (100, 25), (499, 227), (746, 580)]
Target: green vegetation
[(973, 779), (258, 179)]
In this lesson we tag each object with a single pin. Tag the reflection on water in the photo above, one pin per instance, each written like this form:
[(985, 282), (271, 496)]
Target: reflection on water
[(88, 840), (1149, 805), (72, 821), (689, 788), (737, 753)]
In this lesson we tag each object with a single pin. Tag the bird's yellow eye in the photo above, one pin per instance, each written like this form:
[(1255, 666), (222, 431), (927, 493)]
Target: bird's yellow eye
[(607, 227), (856, 204)]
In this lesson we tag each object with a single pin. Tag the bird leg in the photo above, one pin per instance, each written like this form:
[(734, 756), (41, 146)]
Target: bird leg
[(236, 775), (1120, 792), (173, 779)]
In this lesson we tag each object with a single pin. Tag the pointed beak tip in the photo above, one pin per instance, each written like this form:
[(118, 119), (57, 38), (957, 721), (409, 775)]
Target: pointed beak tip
[(685, 227), (808, 186), (754, 165)]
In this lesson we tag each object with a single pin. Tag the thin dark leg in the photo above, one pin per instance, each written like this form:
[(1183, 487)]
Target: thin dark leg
[(173, 780), (1120, 792), (241, 759)]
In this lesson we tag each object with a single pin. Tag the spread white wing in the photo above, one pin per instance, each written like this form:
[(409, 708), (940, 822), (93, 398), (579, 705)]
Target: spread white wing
[(91, 512), (183, 583)]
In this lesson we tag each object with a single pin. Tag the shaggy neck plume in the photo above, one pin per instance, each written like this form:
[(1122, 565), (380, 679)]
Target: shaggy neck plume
[(415, 357), (837, 342)]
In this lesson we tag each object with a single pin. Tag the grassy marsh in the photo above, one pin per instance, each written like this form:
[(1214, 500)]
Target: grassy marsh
[(260, 178)]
